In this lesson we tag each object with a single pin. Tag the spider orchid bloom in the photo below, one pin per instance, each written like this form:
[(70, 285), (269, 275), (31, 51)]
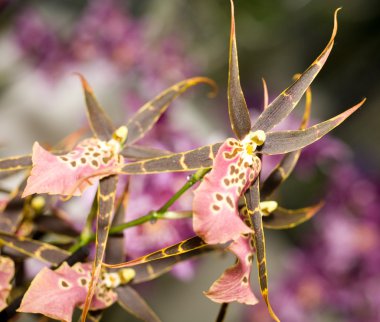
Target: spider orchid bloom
[(215, 207), (69, 174)]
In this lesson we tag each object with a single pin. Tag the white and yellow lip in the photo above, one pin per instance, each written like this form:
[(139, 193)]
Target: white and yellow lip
[(250, 143)]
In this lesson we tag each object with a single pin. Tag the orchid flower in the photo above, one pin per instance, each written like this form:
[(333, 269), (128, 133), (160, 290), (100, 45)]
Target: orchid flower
[(235, 172), (97, 158)]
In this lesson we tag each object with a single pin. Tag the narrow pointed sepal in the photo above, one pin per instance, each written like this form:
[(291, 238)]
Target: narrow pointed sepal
[(99, 121), (237, 106), (215, 206), (281, 142), (234, 284), (283, 218), (148, 115), (284, 104)]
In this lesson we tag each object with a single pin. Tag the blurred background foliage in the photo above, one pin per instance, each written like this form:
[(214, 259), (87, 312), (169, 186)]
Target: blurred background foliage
[(162, 41)]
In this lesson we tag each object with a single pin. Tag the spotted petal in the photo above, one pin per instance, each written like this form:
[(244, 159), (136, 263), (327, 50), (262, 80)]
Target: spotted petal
[(66, 174), (234, 285), (7, 270), (215, 206), (56, 293)]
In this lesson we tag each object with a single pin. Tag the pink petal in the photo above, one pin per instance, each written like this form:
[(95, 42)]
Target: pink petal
[(56, 293), (234, 285), (65, 174), (215, 206), (7, 270)]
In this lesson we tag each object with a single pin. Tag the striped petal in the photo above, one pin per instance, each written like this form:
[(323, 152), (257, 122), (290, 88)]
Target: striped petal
[(234, 285), (215, 206), (66, 174)]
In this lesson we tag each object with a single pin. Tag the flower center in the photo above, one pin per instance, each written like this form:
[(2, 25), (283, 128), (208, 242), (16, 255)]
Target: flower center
[(251, 141)]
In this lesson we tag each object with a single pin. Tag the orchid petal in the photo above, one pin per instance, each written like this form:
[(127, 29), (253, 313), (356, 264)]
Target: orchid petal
[(7, 270), (234, 284), (66, 174), (215, 206), (56, 293)]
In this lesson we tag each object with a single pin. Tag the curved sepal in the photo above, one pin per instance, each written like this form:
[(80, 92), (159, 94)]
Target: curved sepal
[(283, 105), (283, 218), (237, 106), (149, 113), (183, 247), (281, 142)]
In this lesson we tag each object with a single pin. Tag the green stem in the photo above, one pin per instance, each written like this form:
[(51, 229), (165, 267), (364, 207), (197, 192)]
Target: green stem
[(151, 216)]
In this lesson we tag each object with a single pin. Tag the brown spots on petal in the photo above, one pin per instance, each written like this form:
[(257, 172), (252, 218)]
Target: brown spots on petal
[(245, 280), (73, 164), (219, 197), (82, 282), (215, 207), (83, 160), (64, 284), (96, 154), (95, 163), (64, 159), (226, 182), (230, 202)]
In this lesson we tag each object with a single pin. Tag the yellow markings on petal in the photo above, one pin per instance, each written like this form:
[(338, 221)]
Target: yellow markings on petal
[(258, 137), (121, 134), (267, 207), (126, 275)]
